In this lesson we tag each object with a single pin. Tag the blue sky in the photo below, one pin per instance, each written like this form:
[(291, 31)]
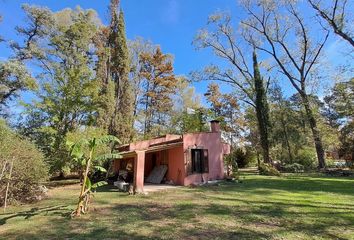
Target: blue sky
[(170, 23)]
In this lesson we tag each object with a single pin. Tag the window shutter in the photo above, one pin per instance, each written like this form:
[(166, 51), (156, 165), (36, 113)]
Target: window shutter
[(205, 161), (189, 162)]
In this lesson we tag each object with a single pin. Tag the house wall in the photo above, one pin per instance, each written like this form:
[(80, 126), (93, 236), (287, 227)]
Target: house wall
[(176, 169), (212, 142)]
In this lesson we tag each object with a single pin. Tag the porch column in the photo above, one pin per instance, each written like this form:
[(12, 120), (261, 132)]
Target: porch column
[(139, 171)]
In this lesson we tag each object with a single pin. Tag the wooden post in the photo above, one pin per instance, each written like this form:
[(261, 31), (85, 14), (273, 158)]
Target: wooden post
[(8, 184), (3, 170), (139, 172)]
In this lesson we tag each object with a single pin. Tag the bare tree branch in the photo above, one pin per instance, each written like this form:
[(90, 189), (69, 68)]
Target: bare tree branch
[(334, 20)]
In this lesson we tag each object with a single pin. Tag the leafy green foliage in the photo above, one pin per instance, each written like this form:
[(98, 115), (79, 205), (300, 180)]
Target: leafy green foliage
[(268, 170), (187, 115), (29, 168), (231, 164), (262, 109), (340, 106), (293, 168), (241, 157), (84, 152), (120, 121), (306, 157), (14, 77), (67, 97)]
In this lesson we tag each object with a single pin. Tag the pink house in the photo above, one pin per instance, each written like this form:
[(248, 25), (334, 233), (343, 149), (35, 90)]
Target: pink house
[(189, 158)]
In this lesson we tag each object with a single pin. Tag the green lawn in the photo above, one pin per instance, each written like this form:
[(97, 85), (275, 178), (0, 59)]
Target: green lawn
[(293, 207)]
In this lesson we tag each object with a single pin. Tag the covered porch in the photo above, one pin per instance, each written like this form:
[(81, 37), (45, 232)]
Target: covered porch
[(158, 167)]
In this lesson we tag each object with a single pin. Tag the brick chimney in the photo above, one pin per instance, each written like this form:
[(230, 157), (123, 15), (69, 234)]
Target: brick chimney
[(215, 126)]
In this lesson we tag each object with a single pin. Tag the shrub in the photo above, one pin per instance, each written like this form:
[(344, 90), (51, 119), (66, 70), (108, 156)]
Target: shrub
[(28, 169), (293, 168), (268, 170), (231, 165), (241, 157), (306, 157), (335, 163)]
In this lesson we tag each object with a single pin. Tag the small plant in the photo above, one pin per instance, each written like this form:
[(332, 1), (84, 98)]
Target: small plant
[(268, 170), (83, 152), (294, 168)]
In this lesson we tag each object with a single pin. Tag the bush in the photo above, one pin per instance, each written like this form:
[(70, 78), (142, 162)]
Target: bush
[(28, 170), (268, 170), (241, 157), (293, 168), (306, 157), (231, 165), (335, 163)]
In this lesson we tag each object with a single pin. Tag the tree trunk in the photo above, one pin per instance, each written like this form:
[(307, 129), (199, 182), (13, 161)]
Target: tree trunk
[(286, 138), (315, 132), (80, 204), (263, 134)]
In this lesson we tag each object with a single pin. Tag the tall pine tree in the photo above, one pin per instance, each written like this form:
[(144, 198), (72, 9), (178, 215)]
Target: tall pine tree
[(122, 124), (262, 109), (116, 113)]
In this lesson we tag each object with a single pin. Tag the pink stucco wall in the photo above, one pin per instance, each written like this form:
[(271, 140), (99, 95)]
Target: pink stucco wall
[(139, 171), (176, 168), (212, 142)]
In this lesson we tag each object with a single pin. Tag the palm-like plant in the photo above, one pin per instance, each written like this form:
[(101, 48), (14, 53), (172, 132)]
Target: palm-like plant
[(83, 152)]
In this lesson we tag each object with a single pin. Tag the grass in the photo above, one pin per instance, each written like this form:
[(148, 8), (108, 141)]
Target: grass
[(290, 207)]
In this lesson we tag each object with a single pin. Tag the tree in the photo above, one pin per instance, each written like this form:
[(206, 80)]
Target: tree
[(187, 115), (106, 99), (341, 100), (225, 108), (288, 41), (262, 109), (282, 118), (290, 132), (67, 98), (136, 48), (14, 76), (337, 16), (222, 39), (22, 167), (159, 85), (119, 68)]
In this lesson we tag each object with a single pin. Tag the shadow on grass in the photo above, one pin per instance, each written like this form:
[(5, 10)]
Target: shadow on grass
[(61, 183), (108, 188), (182, 221), (61, 211), (202, 213)]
